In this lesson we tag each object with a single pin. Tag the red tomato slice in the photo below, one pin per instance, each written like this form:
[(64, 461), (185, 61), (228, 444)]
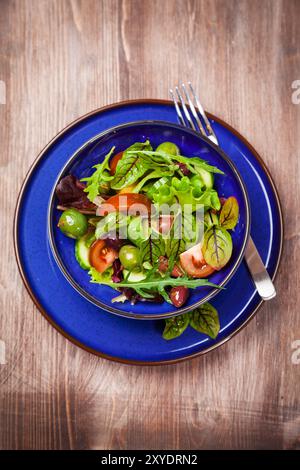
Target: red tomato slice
[(163, 224), (164, 264), (124, 202), (114, 161), (102, 256), (194, 264)]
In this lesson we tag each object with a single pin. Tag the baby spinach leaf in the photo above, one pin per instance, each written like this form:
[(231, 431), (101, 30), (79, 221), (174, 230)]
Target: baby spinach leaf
[(174, 247), (101, 176), (151, 249), (128, 172), (156, 158), (205, 319), (217, 247), (130, 167), (192, 228), (230, 213), (198, 164), (157, 173), (192, 163), (182, 232), (175, 326)]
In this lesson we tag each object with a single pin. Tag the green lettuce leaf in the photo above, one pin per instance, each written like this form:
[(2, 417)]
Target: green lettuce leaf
[(100, 176)]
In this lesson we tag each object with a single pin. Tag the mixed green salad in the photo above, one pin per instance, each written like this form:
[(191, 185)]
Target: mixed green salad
[(150, 224)]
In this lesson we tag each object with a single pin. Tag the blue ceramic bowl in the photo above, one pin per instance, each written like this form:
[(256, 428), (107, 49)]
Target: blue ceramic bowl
[(191, 144)]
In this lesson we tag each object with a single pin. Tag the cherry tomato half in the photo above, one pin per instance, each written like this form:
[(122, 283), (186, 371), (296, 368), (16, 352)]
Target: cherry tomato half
[(114, 161), (102, 256), (164, 264), (193, 262), (123, 202), (163, 224)]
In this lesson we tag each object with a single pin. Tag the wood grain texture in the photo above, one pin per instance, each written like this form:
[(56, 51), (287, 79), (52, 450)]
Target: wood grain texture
[(63, 58)]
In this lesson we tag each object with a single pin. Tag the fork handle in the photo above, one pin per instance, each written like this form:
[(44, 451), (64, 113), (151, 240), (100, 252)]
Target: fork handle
[(260, 275)]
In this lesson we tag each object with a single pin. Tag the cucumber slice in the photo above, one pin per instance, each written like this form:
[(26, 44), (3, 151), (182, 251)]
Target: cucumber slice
[(134, 276), (207, 178), (82, 251)]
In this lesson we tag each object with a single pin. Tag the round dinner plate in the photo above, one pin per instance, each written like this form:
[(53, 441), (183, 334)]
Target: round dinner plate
[(124, 339)]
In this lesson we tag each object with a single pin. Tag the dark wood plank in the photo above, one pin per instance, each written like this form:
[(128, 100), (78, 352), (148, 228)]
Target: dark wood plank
[(62, 58)]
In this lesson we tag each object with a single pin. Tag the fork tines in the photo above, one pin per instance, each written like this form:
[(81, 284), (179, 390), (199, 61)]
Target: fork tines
[(193, 113)]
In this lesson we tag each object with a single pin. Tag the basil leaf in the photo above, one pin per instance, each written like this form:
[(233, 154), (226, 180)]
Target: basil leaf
[(175, 326), (130, 167), (230, 213), (205, 319), (217, 247)]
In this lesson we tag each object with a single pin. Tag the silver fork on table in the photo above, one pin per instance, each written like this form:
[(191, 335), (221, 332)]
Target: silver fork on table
[(191, 114)]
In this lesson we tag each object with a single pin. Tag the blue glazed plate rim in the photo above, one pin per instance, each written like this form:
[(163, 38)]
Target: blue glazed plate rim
[(21, 269), (99, 303)]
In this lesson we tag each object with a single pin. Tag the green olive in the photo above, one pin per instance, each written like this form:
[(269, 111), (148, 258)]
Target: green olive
[(168, 147), (138, 230), (72, 223), (129, 256)]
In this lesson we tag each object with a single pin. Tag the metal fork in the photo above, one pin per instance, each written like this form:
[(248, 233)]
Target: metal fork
[(191, 114)]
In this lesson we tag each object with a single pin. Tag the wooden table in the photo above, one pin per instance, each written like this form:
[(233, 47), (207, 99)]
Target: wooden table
[(60, 59)]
